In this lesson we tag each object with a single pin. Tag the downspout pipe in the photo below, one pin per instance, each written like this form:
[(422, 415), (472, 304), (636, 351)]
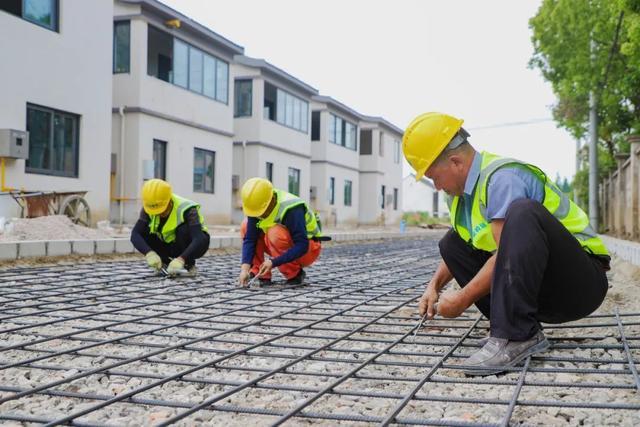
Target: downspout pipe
[(122, 168)]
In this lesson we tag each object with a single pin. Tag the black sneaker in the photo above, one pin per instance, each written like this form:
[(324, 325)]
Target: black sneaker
[(298, 279)]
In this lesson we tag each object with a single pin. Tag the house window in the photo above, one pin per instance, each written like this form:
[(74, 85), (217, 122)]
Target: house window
[(203, 170), (243, 94), (270, 171), (294, 181), (396, 151), (383, 194), (159, 159), (121, 46), (332, 191), (285, 108), (381, 146), (315, 126), (395, 199), (53, 142), (177, 62), (41, 12), (342, 132), (365, 142), (435, 204), (347, 192)]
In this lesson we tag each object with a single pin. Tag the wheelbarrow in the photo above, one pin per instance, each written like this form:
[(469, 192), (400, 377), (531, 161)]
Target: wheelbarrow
[(35, 204)]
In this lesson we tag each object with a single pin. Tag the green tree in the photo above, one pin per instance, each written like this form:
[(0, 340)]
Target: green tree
[(591, 45)]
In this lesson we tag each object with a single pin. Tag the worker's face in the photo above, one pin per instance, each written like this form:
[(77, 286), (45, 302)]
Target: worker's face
[(168, 210), (448, 174)]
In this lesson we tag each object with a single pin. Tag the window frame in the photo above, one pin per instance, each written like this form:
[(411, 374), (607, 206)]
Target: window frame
[(55, 15), (205, 152), (220, 94), (116, 24), (332, 190), (396, 151), (338, 132), (75, 148), (296, 173), (348, 184), (395, 199), (285, 109), (236, 93), (163, 144), (269, 171)]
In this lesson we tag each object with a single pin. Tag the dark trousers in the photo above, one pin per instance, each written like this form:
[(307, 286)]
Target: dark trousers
[(542, 274), (168, 251)]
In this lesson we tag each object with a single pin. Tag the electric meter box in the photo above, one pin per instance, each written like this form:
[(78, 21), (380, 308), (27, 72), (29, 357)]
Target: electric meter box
[(14, 144)]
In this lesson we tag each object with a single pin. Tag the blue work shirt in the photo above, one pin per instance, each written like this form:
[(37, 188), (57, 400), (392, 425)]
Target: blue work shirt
[(506, 185), (295, 222)]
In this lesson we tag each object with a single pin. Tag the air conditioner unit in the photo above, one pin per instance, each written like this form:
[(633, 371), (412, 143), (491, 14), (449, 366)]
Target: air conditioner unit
[(14, 144), (313, 192), (235, 182)]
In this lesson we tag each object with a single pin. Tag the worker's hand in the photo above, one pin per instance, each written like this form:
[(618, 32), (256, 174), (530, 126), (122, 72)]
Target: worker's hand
[(243, 280), (428, 302), (153, 260), (452, 304), (176, 266), (265, 268)]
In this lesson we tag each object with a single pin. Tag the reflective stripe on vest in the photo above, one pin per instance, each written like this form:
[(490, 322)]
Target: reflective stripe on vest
[(555, 201), (284, 202), (174, 220)]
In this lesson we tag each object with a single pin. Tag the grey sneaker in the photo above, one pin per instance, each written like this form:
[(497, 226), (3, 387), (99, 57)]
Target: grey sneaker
[(500, 353)]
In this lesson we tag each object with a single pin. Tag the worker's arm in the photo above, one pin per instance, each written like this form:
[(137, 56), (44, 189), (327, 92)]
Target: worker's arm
[(140, 233), (198, 235), (429, 298), (454, 303)]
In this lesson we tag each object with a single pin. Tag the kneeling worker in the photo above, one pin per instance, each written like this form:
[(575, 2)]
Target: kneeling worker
[(519, 248), (170, 231), (280, 224)]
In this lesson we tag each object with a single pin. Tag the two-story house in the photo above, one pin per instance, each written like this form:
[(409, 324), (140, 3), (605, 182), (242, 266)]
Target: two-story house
[(334, 161), (172, 108), (56, 85), (272, 128), (380, 172)]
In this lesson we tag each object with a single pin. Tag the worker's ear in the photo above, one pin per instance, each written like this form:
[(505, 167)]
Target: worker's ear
[(456, 160)]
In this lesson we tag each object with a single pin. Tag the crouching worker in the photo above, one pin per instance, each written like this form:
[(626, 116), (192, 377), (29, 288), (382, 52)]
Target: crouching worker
[(170, 232), (280, 224)]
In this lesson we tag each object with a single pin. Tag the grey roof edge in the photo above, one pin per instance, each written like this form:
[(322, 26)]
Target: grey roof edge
[(266, 66), (338, 105), (384, 122), (172, 13)]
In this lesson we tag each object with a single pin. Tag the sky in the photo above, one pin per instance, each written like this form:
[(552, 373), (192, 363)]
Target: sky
[(397, 59)]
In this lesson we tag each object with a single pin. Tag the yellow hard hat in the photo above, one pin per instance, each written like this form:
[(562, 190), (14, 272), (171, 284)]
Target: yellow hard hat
[(426, 137), (156, 195), (256, 196)]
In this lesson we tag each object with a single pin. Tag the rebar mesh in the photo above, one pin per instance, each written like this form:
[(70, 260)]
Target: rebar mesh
[(110, 344)]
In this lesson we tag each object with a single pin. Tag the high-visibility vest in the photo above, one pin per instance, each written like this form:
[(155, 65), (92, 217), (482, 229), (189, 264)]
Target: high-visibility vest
[(176, 217), (555, 201), (284, 202)]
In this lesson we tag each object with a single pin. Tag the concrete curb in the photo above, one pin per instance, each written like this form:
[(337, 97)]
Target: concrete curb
[(623, 249), (52, 248)]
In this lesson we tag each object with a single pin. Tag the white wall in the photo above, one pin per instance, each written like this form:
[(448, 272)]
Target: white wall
[(69, 70), (186, 120)]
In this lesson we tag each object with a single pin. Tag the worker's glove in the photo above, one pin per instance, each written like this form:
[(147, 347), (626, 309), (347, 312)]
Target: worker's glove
[(153, 260), (176, 267)]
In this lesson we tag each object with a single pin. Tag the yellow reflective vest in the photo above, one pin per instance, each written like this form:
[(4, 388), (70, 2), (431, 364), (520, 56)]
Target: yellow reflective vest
[(176, 217), (555, 201), (284, 202)]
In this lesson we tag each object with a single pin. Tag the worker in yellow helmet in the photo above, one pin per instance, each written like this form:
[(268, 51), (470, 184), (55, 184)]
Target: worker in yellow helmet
[(519, 248), (279, 224), (170, 231)]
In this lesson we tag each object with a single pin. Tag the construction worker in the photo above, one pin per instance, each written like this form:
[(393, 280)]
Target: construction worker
[(280, 224), (519, 248), (170, 231)]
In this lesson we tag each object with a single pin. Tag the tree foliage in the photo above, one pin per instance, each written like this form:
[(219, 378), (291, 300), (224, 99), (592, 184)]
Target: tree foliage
[(591, 45)]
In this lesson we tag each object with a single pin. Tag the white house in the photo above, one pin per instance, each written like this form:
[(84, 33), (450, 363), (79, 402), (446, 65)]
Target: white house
[(421, 196), (56, 84)]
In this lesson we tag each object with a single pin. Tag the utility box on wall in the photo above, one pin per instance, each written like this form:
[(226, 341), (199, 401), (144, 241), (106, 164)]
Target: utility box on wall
[(14, 144)]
